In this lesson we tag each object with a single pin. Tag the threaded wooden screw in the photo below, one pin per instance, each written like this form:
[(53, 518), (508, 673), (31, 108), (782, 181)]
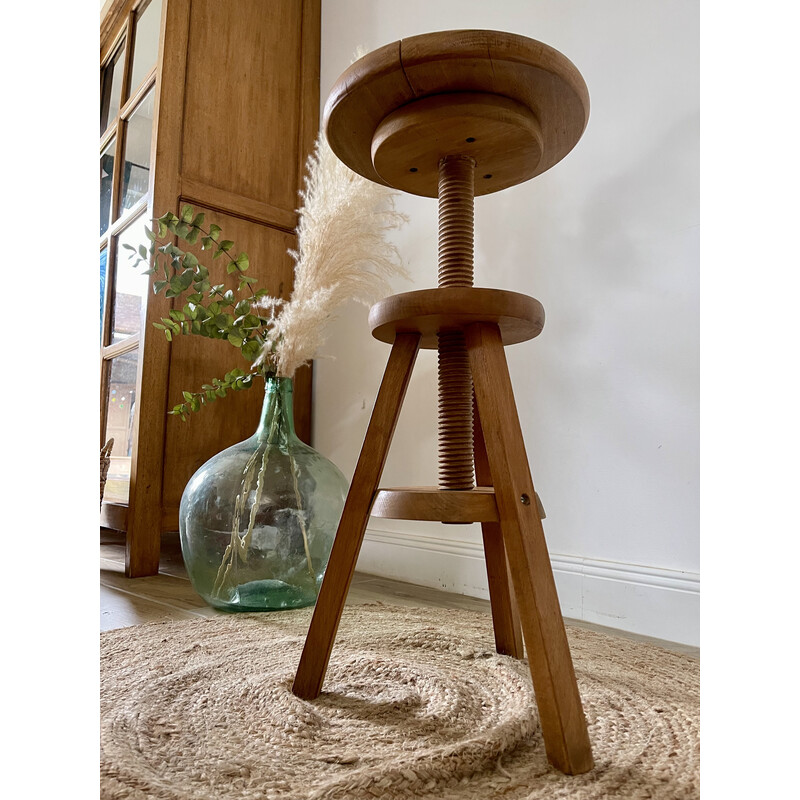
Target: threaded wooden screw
[(456, 225)]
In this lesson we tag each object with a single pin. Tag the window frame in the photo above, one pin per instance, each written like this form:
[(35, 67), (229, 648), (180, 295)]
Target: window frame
[(119, 221)]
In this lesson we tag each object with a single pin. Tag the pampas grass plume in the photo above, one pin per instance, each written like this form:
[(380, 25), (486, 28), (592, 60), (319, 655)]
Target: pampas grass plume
[(342, 254)]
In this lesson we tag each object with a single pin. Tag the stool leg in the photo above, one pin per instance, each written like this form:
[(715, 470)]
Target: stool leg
[(563, 723), (505, 615), (350, 534)]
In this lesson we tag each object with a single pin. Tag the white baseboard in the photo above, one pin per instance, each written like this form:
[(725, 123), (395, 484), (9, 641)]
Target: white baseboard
[(651, 601)]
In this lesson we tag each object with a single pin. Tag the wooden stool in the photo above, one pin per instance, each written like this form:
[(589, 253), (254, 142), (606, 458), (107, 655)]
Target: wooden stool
[(453, 115)]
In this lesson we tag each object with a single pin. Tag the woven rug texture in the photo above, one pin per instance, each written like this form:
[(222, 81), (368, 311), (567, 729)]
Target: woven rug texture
[(416, 703)]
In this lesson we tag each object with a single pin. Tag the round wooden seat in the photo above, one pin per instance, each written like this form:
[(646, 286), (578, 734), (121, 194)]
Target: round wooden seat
[(429, 311), (512, 104)]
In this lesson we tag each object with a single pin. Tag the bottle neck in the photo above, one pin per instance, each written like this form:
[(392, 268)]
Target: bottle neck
[(277, 413)]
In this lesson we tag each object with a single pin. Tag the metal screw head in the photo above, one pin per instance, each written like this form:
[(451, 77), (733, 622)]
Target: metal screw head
[(525, 500)]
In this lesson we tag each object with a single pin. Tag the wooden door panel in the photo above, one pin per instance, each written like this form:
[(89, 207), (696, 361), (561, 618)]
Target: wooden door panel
[(243, 106)]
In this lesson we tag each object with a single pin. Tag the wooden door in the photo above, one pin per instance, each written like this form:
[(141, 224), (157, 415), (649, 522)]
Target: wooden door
[(235, 103)]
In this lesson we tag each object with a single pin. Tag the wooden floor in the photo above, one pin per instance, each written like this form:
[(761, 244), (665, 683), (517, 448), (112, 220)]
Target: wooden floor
[(169, 595)]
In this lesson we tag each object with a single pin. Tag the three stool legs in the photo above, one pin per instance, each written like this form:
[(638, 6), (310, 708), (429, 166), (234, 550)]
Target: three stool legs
[(522, 587)]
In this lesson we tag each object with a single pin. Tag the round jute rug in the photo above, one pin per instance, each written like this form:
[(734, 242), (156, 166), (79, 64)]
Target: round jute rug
[(416, 703)]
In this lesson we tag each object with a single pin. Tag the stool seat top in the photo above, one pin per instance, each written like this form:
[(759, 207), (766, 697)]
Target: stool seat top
[(519, 71)]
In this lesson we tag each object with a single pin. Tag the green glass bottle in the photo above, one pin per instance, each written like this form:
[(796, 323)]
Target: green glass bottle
[(257, 521)]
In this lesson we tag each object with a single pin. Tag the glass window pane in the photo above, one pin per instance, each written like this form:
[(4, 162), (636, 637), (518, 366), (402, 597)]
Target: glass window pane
[(145, 43), (136, 166), (119, 425), (130, 284), (103, 271), (111, 88), (106, 179)]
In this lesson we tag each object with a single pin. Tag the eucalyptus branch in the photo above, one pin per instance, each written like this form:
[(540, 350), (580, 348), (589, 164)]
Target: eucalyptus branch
[(212, 311)]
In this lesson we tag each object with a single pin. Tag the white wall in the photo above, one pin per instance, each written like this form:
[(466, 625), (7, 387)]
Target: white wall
[(607, 240)]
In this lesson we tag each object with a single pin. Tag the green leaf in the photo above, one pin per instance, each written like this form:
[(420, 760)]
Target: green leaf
[(199, 220), (251, 321), (142, 251), (182, 229), (235, 340), (129, 247), (246, 280), (171, 293), (178, 316), (206, 242), (228, 298), (168, 334), (242, 307), (195, 404), (197, 297), (187, 395), (214, 232), (187, 212), (242, 261), (150, 234), (159, 326), (190, 261), (223, 322), (251, 350), (231, 268), (192, 235), (225, 245)]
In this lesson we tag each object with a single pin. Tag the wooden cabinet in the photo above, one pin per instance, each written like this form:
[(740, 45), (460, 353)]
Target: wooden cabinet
[(217, 105)]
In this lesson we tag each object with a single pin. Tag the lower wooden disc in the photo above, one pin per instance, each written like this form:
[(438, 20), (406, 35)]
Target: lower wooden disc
[(500, 135), (429, 311)]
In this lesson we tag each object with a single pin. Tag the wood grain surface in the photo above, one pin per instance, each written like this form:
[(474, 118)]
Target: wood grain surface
[(524, 70), (428, 311), (560, 710), (353, 524)]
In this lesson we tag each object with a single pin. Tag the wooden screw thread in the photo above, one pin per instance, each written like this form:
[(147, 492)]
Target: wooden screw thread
[(455, 413), (456, 225), (456, 220)]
